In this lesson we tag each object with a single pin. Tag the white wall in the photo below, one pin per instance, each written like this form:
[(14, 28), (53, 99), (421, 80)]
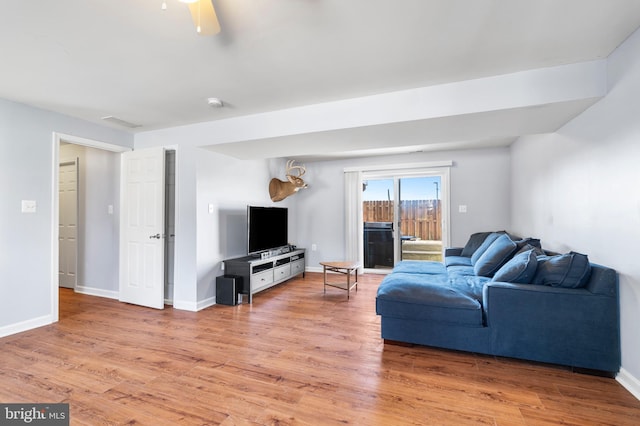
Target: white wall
[(101, 228), (577, 189), (98, 232), (479, 179), (26, 172), (203, 240), (229, 185)]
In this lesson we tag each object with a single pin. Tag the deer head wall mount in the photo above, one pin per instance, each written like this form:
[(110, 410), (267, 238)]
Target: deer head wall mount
[(279, 190)]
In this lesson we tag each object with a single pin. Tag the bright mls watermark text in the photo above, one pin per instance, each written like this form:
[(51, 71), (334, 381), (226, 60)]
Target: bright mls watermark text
[(34, 414)]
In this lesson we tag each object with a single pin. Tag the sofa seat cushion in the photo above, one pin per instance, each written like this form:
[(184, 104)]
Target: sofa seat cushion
[(457, 261), (431, 298), (420, 267), (460, 270)]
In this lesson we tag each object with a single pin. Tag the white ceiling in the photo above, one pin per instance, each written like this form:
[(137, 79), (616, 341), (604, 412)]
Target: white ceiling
[(131, 60)]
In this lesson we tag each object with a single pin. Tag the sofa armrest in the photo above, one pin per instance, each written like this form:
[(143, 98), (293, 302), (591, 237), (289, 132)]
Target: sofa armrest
[(565, 326), (452, 251)]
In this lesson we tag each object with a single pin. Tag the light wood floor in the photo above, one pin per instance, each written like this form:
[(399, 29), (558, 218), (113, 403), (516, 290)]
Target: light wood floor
[(295, 356)]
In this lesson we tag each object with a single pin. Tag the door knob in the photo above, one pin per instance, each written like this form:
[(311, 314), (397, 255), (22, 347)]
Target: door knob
[(157, 236)]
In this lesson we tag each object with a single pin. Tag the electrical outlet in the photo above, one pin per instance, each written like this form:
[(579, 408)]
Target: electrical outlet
[(462, 208), (314, 247), (29, 206)]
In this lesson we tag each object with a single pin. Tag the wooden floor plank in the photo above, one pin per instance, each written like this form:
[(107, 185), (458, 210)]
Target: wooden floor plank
[(296, 356)]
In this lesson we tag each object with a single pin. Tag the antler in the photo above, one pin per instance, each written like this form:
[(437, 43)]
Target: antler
[(290, 166)]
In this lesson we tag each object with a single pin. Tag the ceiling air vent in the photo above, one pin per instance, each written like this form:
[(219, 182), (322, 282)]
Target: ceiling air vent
[(120, 122)]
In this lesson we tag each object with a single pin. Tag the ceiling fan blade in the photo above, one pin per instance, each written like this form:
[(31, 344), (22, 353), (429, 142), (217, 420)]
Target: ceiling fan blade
[(204, 16)]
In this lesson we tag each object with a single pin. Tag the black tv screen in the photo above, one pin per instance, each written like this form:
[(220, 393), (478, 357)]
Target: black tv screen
[(267, 228)]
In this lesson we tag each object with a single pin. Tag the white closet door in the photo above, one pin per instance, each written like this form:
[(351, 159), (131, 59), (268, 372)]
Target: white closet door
[(68, 226)]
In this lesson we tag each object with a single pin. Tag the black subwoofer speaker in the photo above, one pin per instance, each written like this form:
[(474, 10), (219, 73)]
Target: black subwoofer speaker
[(227, 288)]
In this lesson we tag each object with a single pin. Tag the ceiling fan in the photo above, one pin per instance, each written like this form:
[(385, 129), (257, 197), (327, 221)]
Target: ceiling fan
[(203, 14)]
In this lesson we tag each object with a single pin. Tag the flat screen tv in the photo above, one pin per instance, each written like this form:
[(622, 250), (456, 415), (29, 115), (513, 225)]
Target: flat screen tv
[(267, 228)]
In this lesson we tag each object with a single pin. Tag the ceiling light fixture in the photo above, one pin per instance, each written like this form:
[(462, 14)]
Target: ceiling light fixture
[(215, 102), (120, 122), (203, 15)]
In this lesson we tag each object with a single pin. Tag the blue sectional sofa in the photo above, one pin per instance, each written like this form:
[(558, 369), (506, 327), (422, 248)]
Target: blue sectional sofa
[(505, 296)]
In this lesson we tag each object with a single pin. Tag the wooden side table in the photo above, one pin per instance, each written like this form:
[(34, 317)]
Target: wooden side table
[(345, 268)]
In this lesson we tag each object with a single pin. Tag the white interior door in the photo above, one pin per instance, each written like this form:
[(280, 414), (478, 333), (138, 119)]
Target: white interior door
[(142, 228), (68, 225)]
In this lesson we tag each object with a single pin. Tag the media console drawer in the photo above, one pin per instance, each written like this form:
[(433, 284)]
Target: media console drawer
[(261, 280), (282, 272), (297, 267)]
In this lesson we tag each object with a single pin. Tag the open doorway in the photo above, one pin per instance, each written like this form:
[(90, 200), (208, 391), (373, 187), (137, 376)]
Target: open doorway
[(98, 217), (87, 215)]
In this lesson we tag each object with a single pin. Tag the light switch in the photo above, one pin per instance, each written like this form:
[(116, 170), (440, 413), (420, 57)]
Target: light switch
[(29, 206), (110, 209), (211, 208), (462, 208)]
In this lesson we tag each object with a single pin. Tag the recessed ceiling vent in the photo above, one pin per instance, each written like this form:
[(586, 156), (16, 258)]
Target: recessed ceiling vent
[(120, 122)]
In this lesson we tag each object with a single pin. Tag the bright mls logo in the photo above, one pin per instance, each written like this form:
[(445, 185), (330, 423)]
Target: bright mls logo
[(34, 414)]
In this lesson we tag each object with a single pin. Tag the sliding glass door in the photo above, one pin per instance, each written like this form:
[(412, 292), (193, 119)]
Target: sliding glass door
[(402, 217)]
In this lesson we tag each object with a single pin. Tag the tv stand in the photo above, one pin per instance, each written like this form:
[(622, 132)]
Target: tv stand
[(260, 274)]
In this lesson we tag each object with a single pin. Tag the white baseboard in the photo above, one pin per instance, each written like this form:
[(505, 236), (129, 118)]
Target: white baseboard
[(92, 291), (194, 306), (629, 382), (19, 327), (203, 304), (185, 306)]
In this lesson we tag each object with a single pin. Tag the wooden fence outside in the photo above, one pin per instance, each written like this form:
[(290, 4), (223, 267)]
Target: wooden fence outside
[(419, 218)]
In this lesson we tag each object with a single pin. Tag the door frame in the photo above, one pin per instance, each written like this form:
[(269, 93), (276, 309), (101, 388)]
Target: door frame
[(55, 203)]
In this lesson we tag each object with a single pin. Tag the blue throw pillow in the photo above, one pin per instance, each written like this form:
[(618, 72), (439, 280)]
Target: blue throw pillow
[(496, 255), (537, 250), (484, 246), (571, 270), (535, 242), (475, 241), (520, 269)]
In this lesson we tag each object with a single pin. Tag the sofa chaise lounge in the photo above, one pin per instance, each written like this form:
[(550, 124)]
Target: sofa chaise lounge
[(505, 296)]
